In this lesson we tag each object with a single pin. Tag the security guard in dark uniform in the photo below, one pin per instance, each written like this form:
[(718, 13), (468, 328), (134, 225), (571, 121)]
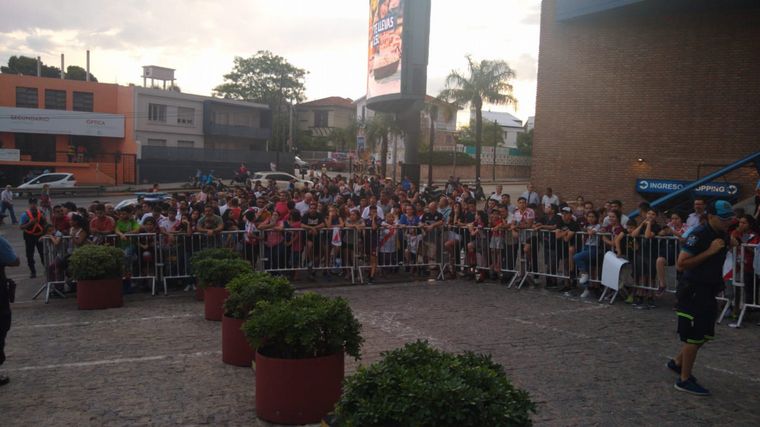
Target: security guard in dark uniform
[(8, 258), (701, 261)]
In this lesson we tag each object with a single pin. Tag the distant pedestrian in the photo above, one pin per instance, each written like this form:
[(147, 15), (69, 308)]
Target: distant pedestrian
[(8, 258), (6, 200), (701, 261)]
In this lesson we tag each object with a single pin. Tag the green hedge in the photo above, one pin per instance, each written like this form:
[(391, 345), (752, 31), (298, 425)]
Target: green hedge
[(94, 262), (420, 386), (446, 158), (219, 272), (309, 325), (247, 289)]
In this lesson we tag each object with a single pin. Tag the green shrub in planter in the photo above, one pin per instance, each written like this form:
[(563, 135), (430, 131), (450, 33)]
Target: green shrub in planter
[(418, 385), (95, 262), (247, 289), (309, 325), (219, 272)]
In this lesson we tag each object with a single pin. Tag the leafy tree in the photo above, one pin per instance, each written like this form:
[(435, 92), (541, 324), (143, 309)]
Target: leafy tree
[(75, 72), (493, 135), (525, 142), (379, 129), (488, 82), (28, 66), (268, 79)]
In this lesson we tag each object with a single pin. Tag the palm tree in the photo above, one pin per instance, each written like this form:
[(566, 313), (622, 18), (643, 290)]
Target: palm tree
[(379, 128), (489, 82)]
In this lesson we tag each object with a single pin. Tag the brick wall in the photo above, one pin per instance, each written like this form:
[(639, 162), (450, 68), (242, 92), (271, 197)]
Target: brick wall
[(677, 88)]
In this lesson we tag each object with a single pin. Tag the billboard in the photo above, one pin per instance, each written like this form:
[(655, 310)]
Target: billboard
[(386, 47), (61, 122)]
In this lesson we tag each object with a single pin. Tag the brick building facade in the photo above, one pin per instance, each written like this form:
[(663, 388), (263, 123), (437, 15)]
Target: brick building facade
[(675, 84)]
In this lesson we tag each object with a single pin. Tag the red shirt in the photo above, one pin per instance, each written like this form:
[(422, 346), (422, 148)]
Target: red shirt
[(62, 224), (104, 225)]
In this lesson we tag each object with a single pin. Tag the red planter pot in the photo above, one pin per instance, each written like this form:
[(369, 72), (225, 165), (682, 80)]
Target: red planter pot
[(213, 300), (99, 294), (235, 348), (297, 391)]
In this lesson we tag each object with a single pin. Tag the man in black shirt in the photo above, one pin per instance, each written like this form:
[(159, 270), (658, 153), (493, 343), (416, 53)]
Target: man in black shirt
[(432, 222), (701, 260), (313, 222)]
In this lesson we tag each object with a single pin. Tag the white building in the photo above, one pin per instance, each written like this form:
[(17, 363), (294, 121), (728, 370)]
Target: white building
[(510, 125)]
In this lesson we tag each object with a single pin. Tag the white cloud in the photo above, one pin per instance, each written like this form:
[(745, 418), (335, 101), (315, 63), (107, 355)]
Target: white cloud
[(201, 38)]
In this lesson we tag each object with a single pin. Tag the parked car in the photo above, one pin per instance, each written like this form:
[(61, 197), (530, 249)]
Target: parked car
[(149, 198), (332, 164), (53, 180), (283, 180)]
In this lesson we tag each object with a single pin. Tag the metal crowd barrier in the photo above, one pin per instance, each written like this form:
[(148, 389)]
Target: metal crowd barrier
[(467, 250), (141, 258), (412, 249), (743, 291)]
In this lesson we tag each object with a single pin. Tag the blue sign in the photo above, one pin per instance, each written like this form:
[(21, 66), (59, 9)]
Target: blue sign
[(665, 186)]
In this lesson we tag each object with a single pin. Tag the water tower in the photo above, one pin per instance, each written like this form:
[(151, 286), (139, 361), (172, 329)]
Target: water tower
[(154, 72)]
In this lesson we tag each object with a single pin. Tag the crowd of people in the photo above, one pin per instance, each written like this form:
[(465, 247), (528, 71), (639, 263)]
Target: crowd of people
[(382, 227)]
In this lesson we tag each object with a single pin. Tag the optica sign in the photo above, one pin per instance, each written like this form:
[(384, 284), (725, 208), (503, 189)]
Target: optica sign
[(665, 186)]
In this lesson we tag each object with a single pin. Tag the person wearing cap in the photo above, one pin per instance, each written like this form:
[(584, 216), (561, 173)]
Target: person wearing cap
[(6, 203), (701, 261), (32, 224)]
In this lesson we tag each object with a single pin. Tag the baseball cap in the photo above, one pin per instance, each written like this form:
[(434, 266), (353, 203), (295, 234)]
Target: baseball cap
[(722, 209), (567, 209)]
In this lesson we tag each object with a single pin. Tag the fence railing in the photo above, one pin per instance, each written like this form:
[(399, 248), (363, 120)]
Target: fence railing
[(360, 253)]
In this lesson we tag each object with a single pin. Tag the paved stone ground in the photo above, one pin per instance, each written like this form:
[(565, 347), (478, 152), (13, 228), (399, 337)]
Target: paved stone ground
[(157, 361)]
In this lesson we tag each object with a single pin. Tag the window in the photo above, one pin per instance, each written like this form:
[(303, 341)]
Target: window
[(83, 101), (320, 119), (55, 99), (26, 97), (185, 116), (157, 113), (53, 177), (157, 142), (186, 144)]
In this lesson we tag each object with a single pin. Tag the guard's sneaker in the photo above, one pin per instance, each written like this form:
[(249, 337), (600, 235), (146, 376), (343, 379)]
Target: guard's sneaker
[(585, 293), (673, 367), (691, 386), (629, 299)]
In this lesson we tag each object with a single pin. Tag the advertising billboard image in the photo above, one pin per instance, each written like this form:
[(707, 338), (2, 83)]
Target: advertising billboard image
[(386, 47)]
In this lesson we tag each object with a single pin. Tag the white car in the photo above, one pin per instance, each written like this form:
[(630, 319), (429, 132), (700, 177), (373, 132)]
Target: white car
[(300, 163), (53, 180), (283, 180)]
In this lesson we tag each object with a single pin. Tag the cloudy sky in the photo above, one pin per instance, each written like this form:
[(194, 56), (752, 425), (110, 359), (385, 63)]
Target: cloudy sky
[(200, 39)]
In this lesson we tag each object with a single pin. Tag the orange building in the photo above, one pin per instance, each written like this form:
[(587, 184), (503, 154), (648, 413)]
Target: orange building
[(78, 127)]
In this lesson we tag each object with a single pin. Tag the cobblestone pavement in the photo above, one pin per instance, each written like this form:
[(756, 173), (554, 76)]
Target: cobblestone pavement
[(157, 361)]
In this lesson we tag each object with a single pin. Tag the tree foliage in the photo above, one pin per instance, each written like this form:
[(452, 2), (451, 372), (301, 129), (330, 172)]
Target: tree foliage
[(487, 81), (265, 78), (493, 134), (525, 142), (268, 79), (378, 130), (27, 66)]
